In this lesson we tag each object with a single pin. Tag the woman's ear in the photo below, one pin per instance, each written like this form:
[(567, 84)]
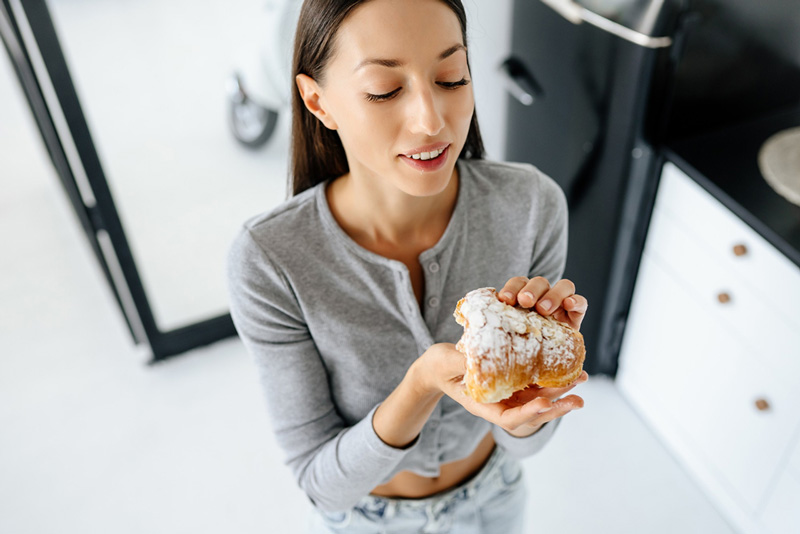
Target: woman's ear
[(311, 95)]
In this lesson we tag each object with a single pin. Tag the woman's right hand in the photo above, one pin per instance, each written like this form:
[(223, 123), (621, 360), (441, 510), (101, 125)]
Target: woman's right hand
[(441, 369)]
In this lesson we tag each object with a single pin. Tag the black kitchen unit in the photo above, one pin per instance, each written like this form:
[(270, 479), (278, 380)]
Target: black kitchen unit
[(737, 86), (736, 90), (584, 81), (725, 163), (713, 317), (602, 92)]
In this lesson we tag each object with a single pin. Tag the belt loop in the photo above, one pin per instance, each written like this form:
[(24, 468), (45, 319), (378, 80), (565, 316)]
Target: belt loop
[(391, 508), (439, 515), (432, 525)]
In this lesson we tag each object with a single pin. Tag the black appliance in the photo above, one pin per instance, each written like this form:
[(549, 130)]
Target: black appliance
[(584, 80), (741, 62), (737, 85), (603, 90)]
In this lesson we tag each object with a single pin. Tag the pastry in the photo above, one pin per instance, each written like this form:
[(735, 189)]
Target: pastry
[(510, 347)]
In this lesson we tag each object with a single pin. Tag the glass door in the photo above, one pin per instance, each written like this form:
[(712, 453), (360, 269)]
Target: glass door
[(160, 149)]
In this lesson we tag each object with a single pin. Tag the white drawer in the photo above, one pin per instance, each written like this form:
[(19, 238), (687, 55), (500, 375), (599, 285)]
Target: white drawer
[(782, 512), (770, 339), (704, 384), (656, 345), (771, 274)]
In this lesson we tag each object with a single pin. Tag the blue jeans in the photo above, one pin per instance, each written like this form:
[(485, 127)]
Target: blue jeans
[(491, 502)]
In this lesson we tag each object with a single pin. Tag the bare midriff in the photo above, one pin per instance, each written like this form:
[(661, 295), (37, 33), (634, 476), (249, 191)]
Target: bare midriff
[(408, 485)]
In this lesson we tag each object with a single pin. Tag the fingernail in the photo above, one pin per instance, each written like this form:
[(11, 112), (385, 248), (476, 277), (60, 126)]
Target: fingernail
[(528, 295), (507, 295), (545, 305), (545, 410), (569, 301)]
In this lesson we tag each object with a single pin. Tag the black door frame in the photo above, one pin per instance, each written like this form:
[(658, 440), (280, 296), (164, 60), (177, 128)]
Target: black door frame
[(98, 216)]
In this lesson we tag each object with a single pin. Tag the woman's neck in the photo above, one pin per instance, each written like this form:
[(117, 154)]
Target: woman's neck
[(377, 216)]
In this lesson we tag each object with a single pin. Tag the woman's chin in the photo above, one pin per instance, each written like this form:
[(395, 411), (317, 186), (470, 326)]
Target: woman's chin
[(426, 184)]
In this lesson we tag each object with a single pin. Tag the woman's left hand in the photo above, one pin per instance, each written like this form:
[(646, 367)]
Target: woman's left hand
[(524, 412), (527, 410), (560, 301)]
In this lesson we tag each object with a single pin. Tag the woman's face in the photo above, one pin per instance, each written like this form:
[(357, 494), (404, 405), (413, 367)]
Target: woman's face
[(417, 95)]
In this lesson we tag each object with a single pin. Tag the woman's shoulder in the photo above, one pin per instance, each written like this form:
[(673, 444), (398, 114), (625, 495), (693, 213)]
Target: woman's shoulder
[(289, 219), (273, 230), (512, 180), (285, 215)]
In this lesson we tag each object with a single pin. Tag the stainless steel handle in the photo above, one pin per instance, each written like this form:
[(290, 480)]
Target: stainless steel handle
[(519, 82), (576, 14)]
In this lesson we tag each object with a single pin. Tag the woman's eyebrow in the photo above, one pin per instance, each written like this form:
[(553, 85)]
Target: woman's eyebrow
[(397, 63)]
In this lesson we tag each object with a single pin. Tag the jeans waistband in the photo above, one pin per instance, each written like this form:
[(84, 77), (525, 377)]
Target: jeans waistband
[(383, 506)]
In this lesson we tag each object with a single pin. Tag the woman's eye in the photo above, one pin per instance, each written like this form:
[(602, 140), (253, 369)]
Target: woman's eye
[(453, 85), (387, 96), (376, 98)]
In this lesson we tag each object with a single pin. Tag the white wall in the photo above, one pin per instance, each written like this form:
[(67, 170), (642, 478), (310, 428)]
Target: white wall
[(489, 43)]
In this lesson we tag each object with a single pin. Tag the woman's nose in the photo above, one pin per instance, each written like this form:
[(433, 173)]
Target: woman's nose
[(426, 117)]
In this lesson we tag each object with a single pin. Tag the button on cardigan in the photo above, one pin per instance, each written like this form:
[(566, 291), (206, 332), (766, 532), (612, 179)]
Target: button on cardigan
[(333, 327)]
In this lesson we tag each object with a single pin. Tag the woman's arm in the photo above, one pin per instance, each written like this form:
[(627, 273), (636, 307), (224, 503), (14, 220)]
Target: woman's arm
[(400, 418), (334, 463)]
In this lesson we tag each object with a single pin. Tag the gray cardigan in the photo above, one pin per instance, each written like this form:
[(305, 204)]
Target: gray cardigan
[(333, 327)]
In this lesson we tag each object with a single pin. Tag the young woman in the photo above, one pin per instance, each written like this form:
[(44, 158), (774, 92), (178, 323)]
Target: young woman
[(344, 294)]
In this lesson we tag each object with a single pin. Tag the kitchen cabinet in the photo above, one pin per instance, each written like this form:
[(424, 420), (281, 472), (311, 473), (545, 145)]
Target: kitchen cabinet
[(711, 354)]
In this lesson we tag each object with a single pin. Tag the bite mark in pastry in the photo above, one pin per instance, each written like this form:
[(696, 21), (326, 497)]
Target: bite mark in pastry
[(510, 347)]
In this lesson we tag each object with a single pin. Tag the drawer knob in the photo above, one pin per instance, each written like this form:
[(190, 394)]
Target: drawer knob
[(724, 297), (740, 250), (762, 405)]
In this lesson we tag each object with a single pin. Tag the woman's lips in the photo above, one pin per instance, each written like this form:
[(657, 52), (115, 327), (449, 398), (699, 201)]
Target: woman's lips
[(428, 165)]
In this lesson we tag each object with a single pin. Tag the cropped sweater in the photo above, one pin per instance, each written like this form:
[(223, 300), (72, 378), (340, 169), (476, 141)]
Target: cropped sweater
[(333, 327)]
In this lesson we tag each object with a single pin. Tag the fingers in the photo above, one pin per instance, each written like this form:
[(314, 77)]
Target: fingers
[(533, 392), (537, 293), (544, 413), (509, 292), (526, 409), (576, 304), (574, 310), (533, 291), (554, 298), (537, 412), (550, 398), (535, 406)]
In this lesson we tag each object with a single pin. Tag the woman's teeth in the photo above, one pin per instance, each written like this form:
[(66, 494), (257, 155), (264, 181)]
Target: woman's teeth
[(427, 155)]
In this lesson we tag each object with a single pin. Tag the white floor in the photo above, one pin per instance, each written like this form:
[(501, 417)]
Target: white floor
[(93, 440)]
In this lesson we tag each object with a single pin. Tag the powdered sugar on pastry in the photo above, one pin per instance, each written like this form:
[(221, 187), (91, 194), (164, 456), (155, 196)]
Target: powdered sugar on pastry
[(510, 347)]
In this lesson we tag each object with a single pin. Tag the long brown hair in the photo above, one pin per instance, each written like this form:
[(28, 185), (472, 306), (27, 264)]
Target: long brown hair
[(317, 152)]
